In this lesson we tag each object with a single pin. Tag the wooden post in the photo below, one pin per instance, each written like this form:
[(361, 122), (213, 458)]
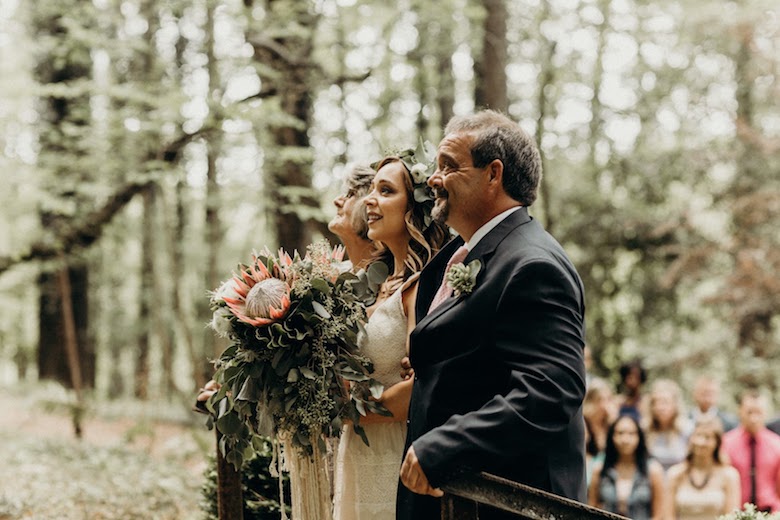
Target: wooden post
[(230, 502), (71, 346)]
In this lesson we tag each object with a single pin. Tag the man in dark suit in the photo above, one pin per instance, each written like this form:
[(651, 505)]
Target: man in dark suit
[(499, 370)]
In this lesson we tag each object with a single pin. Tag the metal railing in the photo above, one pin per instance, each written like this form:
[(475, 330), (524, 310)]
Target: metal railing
[(463, 494)]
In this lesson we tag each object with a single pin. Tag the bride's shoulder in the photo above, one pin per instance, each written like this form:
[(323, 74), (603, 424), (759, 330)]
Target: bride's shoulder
[(410, 283)]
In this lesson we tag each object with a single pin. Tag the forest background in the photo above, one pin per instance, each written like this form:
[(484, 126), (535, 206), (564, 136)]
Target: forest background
[(147, 147)]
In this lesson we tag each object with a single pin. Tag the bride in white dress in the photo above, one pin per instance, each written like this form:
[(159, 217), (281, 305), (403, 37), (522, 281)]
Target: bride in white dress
[(366, 477)]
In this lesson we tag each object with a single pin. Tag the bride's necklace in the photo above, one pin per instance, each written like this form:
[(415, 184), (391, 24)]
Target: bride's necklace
[(703, 483)]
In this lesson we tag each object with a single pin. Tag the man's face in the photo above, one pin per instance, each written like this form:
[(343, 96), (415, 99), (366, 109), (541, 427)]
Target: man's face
[(457, 184), (752, 413), (705, 394)]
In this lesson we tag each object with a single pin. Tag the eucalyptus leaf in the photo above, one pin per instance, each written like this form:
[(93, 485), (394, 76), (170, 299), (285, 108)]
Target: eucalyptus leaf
[(361, 408), (321, 285), (308, 373), (249, 391), (377, 273), (360, 431), (320, 310), (229, 424), (376, 388)]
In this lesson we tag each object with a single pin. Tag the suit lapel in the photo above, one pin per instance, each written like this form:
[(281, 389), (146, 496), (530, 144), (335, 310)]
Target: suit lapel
[(431, 276), (482, 252)]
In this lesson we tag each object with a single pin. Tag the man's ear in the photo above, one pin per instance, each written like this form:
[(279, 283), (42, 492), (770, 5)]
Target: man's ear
[(496, 171)]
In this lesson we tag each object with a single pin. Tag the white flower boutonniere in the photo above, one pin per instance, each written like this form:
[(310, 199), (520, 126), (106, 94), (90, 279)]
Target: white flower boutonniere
[(463, 278)]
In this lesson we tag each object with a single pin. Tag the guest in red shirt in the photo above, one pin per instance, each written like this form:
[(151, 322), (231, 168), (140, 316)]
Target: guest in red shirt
[(755, 452)]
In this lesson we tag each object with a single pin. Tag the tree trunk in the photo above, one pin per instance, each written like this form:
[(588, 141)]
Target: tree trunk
[(66, 61), (547, 77), (490, 68), (147, 275), (445, 98), (72, 349), (290, 192), (52, 351)]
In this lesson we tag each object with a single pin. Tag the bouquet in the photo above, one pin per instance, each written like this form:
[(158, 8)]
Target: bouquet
[(293, 325)]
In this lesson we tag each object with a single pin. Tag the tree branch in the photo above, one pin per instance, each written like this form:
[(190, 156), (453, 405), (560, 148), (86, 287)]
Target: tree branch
[(79, 236), (267, 44)]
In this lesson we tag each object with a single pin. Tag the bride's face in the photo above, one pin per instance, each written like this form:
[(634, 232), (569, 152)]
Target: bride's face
[(387, 205)]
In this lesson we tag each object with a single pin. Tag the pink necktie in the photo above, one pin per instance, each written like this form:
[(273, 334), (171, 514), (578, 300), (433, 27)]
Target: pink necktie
[(445, 291)]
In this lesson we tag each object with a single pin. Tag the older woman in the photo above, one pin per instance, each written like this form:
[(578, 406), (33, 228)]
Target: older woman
[(703, 487), (350, 223)]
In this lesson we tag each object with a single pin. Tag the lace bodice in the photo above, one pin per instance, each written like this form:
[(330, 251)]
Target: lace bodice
[(385, 341)]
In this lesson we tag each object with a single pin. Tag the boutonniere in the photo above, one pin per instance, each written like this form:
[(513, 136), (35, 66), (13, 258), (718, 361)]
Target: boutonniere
[(463, 278)]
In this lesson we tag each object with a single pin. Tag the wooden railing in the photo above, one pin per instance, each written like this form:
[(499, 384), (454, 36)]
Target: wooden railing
[(463, 494)]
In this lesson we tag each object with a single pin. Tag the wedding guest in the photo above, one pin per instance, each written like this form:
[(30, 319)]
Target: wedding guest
[(631, 400), (755, 452), (599, 412), (703, 487), (498, 349), (399, 223), (667, 429), (628, 482), (706, 395)]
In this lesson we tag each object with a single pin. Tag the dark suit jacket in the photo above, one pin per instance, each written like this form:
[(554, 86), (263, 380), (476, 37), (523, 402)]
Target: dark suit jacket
[(499, 373)]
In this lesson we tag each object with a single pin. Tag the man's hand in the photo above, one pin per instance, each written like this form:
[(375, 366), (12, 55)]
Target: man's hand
[(407, 372), (414, 477)]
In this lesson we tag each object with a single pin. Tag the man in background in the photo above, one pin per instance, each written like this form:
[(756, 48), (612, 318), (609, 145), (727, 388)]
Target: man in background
[(755, 452)]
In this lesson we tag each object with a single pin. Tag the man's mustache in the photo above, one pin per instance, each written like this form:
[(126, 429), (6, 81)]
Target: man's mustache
[(440, 193)]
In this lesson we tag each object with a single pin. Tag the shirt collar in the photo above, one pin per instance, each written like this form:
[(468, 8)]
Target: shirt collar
[(488, 227)]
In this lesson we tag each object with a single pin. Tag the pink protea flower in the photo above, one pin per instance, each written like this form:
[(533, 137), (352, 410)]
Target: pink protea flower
[(283, 269), (261, 298), (338, 253)]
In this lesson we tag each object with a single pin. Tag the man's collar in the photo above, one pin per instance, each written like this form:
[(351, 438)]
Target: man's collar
[(488, 227)]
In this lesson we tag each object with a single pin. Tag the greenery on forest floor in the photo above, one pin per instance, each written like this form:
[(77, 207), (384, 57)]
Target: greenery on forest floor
[(124, 468)]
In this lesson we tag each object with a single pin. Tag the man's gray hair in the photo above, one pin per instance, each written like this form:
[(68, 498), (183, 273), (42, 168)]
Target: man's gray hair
[(498, 137)]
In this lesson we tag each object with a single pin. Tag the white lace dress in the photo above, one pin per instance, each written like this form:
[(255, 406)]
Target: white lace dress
[(366, 478)]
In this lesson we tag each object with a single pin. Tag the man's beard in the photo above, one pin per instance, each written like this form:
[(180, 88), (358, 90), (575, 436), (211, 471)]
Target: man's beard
[(441, 207)]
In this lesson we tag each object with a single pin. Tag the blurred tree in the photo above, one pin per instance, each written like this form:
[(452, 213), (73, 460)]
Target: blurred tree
[(490, 66), (282, 41), (64, 71)]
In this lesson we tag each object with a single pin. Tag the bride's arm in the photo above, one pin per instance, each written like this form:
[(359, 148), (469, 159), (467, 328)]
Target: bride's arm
[(396, 398)]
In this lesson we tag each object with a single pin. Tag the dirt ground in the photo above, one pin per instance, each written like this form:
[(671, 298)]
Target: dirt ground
[(132, 461)]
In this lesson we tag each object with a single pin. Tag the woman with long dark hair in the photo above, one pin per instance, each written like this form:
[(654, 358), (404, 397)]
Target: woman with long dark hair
[(628, 482)]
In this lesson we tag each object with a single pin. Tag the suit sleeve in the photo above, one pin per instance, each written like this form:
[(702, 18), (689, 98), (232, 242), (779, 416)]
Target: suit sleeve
[(538, 336)]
